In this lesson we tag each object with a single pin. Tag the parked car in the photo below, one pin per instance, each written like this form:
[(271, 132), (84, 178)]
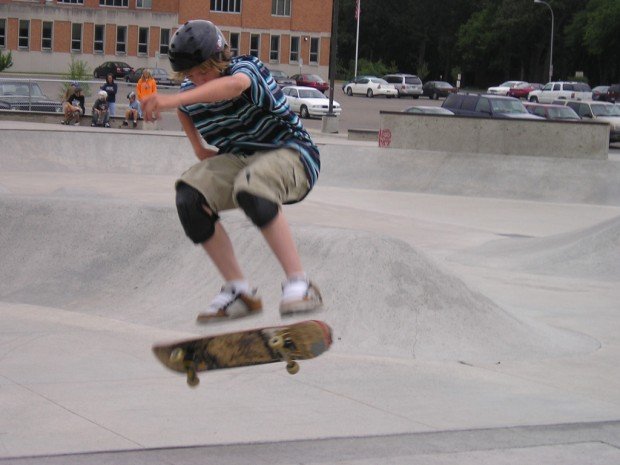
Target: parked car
[(405, 84), (371, 86), (349, 81), (428, 110), (308, 101), (117, 68), (436, 89), (599, 111), (504, 87), (282, 79), (159, 74), (600, 93), (26, 96), (550, 111), (493, 106), (311, 80), (523, 90), (556, 90), (613, 93)]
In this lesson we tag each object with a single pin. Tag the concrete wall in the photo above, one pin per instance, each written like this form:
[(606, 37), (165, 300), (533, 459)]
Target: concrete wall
[(457, 134)]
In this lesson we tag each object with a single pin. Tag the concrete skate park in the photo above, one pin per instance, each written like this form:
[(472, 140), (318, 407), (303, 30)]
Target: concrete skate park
[(474, 301)]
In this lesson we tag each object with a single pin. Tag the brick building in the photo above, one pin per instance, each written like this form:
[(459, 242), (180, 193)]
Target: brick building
[(43, 35)]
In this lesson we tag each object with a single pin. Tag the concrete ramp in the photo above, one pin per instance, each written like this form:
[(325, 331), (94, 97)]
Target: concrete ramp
[(128, 262), (591, 253)]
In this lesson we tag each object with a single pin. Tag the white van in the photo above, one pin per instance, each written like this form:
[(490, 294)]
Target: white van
[(406, 84)]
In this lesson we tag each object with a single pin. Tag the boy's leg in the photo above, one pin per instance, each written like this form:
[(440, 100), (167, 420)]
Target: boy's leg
[(270, 180), (202, 226)]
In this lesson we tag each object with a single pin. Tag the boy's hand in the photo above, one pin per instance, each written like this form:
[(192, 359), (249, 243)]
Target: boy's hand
[(154, 104)]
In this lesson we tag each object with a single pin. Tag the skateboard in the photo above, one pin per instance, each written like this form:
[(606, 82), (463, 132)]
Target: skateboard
[(288, 343)]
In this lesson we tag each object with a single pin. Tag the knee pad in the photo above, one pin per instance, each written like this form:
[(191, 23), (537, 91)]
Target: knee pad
[(260, 211), (198, 224)]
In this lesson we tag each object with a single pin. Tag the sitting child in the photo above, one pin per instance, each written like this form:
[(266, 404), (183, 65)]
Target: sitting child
[(101, 114), (134, 111), (73, 105)]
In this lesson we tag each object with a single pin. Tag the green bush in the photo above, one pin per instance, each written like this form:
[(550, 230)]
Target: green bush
[(78, 71), (6, 60)]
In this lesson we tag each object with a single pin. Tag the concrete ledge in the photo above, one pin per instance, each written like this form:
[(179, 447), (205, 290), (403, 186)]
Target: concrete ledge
[(363, 134), (30, 146), (458, 134), (56, 118)]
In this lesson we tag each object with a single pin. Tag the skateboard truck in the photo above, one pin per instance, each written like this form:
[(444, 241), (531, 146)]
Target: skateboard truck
[(282, 346), (180, 355)]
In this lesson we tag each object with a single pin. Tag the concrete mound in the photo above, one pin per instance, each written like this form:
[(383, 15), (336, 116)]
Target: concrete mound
[(589, 253), (132, 263)]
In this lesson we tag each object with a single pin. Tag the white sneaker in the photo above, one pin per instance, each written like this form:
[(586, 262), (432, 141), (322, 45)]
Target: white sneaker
[(299, 296), (231, 303)]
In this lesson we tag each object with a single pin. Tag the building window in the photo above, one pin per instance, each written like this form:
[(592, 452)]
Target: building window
[(144, 4), (281, 7), (143, 41), (314, 50), (234, 43), (121, 3), (255, 45), (274, 51), (164, 41), (121, 40), (99, 38), (294, 57), (2, 32), (76, 37), (23, 40), (74, 2), (226, 6), (46, 35)]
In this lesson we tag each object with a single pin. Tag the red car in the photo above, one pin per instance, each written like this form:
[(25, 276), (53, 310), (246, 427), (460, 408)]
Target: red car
[(523, 89), (311, 80)]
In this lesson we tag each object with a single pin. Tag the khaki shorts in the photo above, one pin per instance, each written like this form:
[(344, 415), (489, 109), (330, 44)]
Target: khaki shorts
[(276, 175)]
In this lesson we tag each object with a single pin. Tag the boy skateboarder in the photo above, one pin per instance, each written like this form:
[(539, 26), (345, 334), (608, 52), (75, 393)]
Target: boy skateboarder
[(265, 159)]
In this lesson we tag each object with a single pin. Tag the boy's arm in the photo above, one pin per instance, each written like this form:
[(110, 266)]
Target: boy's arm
[(222, 88)]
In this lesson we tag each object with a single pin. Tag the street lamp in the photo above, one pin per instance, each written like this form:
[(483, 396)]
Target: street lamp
[(551, 46)]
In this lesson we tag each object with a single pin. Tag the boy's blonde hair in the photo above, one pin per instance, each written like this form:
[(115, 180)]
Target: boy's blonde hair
[(219, 62)]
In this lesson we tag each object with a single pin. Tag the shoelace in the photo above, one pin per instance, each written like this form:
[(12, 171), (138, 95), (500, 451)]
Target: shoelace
[(224, 298)]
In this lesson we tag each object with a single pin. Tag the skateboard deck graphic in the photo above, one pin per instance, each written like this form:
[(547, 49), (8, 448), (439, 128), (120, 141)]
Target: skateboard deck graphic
[(297, 341)]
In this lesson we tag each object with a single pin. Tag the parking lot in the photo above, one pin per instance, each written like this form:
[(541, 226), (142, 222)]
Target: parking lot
[(358, 112)]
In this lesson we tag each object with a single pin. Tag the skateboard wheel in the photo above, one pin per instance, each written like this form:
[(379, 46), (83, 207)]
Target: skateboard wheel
[(276, 342), (192, 379), (292, 367), (177, 355)]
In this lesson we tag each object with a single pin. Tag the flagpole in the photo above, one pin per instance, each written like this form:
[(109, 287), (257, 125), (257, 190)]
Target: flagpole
[(357, 34)]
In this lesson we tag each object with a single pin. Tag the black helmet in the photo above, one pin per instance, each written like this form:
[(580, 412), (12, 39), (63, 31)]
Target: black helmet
[(194, 43)]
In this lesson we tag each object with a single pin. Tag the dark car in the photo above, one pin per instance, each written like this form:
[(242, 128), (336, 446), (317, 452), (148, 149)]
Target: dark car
[(436, 89), (26, 96), (487, 105), (311, 80), (600, 93), (159, 74), (554, 112), (613, 93), (282, 78), (115, 68)]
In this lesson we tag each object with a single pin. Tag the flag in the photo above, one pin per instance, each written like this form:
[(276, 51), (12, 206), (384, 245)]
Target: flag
[(357, 10)]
